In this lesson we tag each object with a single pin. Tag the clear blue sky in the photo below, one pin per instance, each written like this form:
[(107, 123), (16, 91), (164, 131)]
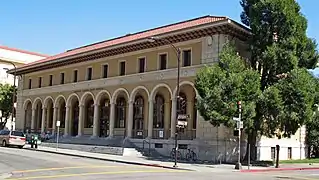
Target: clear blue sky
[(52, 27)]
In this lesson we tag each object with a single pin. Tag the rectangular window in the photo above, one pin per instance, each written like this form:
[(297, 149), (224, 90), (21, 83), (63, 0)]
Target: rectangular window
[(30, 83), (62, 78), (89, 74), (187, 58), (40, 82), (75, 76), (50, 80), (273, 152), (122, 68), (105, 70), (163, 61), (141, 64), (289, 152)]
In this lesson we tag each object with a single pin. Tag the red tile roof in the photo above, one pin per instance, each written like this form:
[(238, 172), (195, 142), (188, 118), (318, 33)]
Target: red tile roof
[(22, 51), (136, 36)]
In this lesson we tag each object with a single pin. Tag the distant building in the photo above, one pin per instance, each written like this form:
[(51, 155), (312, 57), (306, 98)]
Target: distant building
[(10, 56)]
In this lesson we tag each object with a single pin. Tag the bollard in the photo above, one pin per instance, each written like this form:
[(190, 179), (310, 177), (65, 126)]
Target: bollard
[(36, 142), (277, 155), (32, 141)]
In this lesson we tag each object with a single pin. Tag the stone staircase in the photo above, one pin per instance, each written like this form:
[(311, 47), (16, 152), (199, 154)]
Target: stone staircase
[(114, 146)]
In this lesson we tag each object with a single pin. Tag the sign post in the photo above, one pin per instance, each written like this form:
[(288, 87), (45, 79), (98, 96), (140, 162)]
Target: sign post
[(57, 134)]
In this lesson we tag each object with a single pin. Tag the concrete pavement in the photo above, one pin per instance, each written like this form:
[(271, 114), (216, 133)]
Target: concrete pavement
[(26, 164)]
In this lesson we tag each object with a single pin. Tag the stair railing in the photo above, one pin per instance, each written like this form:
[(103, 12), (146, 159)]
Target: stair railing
[(149, 145)]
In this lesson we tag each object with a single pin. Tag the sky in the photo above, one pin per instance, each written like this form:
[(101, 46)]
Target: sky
[(52, 27)]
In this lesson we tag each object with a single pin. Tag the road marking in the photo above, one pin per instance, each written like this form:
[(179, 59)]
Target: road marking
[(61, 168), (97, 173)]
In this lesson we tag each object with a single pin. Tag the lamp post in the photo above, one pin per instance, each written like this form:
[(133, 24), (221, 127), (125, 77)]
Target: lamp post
[(177, 98), (14, 91)]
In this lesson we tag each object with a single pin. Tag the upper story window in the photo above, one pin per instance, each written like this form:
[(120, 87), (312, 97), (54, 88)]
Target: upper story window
[(187, 58), (141, 65), (105, 70), (122, 68), (40, 82), (75, 76), (30, 83), (162, 61), (50, 80), (89, 74), (62, 78)]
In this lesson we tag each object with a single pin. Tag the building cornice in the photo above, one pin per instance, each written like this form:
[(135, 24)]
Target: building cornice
[(226, 26)]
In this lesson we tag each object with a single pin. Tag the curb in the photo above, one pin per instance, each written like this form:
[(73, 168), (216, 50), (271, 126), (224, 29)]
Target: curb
[(279, 169), (112, 160)]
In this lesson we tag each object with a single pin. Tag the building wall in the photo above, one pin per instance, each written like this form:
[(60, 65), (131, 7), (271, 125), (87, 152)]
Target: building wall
[(211, 143)]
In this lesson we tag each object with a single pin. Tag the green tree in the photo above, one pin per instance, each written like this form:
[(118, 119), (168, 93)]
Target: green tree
[(6, 93), (221, 86), (280, 53)]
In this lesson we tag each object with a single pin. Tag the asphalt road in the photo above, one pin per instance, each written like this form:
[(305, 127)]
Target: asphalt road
[(26, 164)]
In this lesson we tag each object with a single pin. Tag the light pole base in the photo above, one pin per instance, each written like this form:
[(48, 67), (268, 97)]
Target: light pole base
[(238, 166), (175, 166)]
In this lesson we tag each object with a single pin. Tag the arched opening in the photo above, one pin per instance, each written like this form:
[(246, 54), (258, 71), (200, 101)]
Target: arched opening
[(74, 116), (28, 115), (38, 116), (104, 118), (161, 96), (159, 112), (120, 115), (49, 118), (61, 114), (89, 111), (187, 107), (138, 117)]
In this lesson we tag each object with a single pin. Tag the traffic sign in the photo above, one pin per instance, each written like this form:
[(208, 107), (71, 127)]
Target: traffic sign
[(182, 116), (58, 123), (236, 119)]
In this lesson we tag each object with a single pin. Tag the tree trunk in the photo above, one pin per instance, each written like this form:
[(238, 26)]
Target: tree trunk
[(252, 139)]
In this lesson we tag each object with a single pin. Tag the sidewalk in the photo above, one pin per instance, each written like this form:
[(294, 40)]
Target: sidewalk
[(136, 160), (169, 165)]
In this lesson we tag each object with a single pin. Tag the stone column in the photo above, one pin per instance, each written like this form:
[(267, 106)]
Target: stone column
[(33, 119), (81, 120), (96, 120), (55, 111), (150, 118), (173, 118), (67, 120), (44, 116), (130, 119), (112, 119)]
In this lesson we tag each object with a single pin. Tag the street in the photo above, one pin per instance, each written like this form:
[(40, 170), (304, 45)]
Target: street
[(26, 164)]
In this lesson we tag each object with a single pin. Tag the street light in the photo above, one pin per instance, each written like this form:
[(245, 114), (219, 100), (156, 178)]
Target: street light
[(177, 98), (14, 91)]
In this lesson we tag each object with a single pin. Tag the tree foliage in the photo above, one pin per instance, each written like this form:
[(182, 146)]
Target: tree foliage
[(6, 94), (221, 86), (277, 91)]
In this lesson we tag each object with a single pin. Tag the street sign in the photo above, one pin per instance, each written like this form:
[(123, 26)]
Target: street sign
[(182, 116), (240, 124), (58, 124), (182, 123), (236, 119)]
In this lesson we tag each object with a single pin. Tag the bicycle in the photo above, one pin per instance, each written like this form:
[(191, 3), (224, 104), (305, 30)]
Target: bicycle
[(191, 155), (179, 154)]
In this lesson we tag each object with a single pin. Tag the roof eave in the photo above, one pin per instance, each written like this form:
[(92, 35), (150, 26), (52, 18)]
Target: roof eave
[(163, 35)]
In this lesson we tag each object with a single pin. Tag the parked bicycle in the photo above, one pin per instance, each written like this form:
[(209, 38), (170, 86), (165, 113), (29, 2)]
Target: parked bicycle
[(191, 155), (179, 154)]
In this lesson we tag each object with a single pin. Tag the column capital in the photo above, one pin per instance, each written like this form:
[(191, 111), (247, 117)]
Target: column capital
[(81, 105), (68, 106), (130, 102), (33, 109), (151, 101), (97, 104), (44, 107), (173, 99)]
